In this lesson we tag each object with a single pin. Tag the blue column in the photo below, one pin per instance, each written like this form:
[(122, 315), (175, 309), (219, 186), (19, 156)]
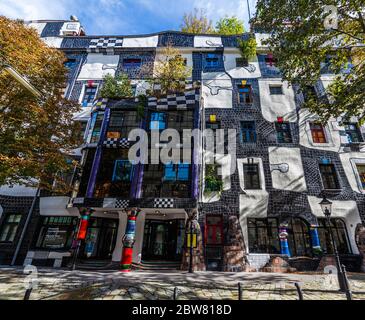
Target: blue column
[(316, 244), (284, 245), (98, 154)]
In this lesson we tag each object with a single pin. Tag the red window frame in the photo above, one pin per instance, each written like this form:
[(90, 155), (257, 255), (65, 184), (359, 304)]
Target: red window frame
[(214, 228), (318, 133)]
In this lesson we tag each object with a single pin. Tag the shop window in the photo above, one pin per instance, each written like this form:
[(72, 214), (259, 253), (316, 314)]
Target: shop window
[(283, 132), (122, 171), (248, 131), (56, 232), (10, 227), (89, 95), (299, 238), (214, 230), (276, 90), (353, 133), (131, 63), (340, 236), (251, 176), (241, 62), (95, 127), (158, 121), (245, 94), (317, 131), (329, 176), (361, 172), (177, 172), (211, 61), (263, 236)]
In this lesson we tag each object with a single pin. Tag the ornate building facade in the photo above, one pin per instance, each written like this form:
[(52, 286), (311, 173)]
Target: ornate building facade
[(267, 207)]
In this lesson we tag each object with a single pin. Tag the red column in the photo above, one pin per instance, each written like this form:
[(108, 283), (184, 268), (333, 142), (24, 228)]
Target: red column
[(128, 240)]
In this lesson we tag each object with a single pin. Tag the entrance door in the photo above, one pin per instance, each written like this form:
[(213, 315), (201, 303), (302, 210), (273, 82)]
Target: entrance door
[(163, 240), (100, 239)]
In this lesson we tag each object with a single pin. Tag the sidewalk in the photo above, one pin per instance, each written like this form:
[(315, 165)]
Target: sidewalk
[(89, 285)]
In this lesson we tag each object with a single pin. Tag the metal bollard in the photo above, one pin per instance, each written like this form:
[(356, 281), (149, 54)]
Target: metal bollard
[(347, 284), (299, 290), (240, 296), (27, 294), (176, 293)]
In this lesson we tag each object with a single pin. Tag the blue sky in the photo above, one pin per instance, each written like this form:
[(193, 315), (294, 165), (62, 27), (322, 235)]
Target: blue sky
[(124, 16)]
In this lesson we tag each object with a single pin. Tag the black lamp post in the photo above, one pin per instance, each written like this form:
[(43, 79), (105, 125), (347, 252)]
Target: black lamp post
[(326, 206)]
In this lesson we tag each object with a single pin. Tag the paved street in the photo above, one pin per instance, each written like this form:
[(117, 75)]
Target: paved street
[(82, 285)]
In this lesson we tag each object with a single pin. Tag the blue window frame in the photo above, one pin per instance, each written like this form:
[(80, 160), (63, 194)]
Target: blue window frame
[(283, 132), (177, 172), (89, 95), (158, 121), (130, 63), (211, 61), (245, 94), (122, 171), (248, 131)]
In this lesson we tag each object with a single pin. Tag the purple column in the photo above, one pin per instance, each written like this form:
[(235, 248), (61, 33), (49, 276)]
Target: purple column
[(195, 164), (98, 154)]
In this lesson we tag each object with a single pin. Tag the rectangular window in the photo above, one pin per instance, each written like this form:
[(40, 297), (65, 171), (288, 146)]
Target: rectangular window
[(248, 131), (270, 61), (329, 176), (361, 172), (158, 121), (353, 133), (245, 94), (276, 90), (213, 125), (263, 236), (10, 227), (214, 230), (241, 62), (283, 132), (131, 63), (122, 171), (251, 176), (340, 236), (89, 95), (56, 232), (177, 172), (211, 61), (309, 93), (318, 135)]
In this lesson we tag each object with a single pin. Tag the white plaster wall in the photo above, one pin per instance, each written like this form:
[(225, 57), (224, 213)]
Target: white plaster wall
[(70, 27), (260, 37), (37, 26), (217, 90), (160, 57), (18, 191), (207, 42), (349, 162), (253, 204), (274, 106), (293, 180), (305, 136), (141, 42), (97, 66), (56, 206), (141, 86), (53, 42), (117, 253), (83, 115), (240, 72), (346, 210)]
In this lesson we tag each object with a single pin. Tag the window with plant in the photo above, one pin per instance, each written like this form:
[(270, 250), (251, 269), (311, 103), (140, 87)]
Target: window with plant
[(213, 182)]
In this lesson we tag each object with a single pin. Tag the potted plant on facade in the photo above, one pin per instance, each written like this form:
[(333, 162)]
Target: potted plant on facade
[(118, 87)]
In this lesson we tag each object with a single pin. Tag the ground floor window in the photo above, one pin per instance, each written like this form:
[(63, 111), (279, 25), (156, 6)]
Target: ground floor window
[(214, 242), (339, 234), (299, 238), (56, 232), (263, 236), (10, 227)]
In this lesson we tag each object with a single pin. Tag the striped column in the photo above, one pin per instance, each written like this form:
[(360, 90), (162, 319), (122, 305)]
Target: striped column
[(316, 244), (283, 235), (128, 240)]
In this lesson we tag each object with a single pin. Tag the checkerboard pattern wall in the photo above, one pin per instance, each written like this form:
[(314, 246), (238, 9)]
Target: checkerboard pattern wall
[(117, 143), (164, 203), (100, 104), (179, 101), (104, 43)]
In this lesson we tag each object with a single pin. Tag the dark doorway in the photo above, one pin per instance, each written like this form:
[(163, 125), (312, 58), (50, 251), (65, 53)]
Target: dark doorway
[(163, 240), (100, 239)]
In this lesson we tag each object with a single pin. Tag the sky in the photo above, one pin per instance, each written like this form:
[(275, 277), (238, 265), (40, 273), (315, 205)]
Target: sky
[(123, 17)]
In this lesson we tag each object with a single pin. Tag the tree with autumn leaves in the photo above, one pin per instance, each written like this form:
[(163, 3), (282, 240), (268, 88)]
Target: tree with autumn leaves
[(36, 135)]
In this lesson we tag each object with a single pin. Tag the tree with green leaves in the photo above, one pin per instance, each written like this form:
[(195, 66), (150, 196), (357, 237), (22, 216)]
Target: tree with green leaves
[(197, 22), (229, 26), (116, 87), (35, 134), (305, 35)]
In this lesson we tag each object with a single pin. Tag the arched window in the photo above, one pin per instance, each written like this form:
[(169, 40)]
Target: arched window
[(299, 238), (339, 234)]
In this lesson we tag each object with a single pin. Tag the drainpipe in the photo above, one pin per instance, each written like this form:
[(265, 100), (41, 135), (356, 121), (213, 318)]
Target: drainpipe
[(98, 154)]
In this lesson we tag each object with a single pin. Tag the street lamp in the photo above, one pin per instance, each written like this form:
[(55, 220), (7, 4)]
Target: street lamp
[(326, 207)]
